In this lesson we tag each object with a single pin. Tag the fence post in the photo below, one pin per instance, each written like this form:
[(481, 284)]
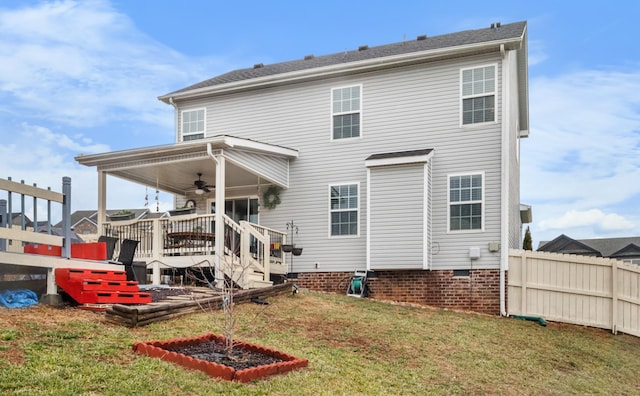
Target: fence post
[(614, 296), (3, 223), (523, 282), (66, 217)]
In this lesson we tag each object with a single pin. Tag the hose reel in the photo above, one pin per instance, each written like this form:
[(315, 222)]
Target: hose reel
[(357, 284)]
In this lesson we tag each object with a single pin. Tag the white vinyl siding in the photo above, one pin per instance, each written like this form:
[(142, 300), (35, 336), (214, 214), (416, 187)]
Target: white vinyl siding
[(343, 210), (478, 94), (397, 218), (297, 117), (345, 110), (466, 202), (270, 168), (193, 124)]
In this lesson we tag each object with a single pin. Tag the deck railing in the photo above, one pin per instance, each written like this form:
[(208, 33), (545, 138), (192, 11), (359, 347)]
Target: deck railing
[(10, 235), (246, 245)]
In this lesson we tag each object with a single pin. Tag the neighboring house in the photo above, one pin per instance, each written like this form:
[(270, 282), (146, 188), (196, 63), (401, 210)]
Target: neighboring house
[(85, 224), (400, 159), (626, 249)]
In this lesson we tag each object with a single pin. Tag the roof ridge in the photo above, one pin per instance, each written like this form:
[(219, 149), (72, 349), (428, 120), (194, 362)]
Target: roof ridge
[(496, 32)]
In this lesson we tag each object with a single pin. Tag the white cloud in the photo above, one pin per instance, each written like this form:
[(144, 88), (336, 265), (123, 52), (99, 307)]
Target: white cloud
[(75, 75), (588, 218), (582, 160), (82, 63), (537, 53)]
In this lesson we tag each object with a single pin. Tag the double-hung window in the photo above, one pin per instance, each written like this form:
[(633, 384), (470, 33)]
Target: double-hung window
[(466, 202), (193, 124), (346, 103), (478, 95), (344, 209)]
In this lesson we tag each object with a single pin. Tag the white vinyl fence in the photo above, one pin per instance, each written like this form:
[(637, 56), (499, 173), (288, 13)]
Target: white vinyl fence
[(590, 291)]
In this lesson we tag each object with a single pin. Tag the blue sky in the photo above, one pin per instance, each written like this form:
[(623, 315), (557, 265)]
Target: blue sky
[(84, 77)]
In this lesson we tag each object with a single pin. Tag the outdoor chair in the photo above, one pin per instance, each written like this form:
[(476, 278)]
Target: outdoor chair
[(127, 252), (111, 245)]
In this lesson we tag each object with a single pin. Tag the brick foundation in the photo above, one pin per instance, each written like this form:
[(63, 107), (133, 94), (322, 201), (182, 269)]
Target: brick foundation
[(480, 291)]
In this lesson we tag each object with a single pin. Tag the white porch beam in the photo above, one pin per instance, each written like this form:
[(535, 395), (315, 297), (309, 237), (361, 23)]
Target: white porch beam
[(221, 186), (102, 199)]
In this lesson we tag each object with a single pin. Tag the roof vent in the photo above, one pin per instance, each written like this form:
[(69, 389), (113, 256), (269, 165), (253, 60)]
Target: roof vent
[(363, 47), (258, 65), (421, 37), (307, 57), (495, 25)]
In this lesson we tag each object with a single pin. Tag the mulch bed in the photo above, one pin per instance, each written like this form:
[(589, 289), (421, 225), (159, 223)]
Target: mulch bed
[(213, 351)]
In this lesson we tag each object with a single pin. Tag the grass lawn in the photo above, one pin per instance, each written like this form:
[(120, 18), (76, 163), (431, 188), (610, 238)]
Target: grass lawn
[(354, 347)]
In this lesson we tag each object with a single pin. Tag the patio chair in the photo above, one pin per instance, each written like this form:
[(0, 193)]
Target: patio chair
[(127, 252), (111, 245)]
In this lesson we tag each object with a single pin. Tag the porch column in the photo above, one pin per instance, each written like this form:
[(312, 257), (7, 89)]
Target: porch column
[(102, 199), (220, 204)]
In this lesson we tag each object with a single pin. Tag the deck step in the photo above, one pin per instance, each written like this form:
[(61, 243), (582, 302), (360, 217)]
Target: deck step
[(96, 287), (74, 273)]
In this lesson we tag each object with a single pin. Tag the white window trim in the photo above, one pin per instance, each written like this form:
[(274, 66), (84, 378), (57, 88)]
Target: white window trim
[(358, 209), (204, 131), (483, 202), (495, 96), (353, 138)]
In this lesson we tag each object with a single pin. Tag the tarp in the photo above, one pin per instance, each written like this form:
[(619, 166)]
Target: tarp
[(18, 298)]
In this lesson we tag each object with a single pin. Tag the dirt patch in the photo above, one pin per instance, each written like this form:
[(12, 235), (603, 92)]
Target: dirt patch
[(12, 354), (161, 293), (213, 351)]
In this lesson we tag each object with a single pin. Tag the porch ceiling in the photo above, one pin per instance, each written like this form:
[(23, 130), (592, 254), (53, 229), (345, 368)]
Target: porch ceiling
[(174, 168)]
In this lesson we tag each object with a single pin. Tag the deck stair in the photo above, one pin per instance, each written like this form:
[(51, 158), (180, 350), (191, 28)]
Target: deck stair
[(100, 287)]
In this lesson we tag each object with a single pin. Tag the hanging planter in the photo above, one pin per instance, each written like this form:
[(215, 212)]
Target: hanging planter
[(122, 215), (271, 197), (296, 251), (182, 211), (287, 248)]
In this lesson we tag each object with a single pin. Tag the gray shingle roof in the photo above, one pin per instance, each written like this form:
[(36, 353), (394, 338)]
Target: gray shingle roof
[(606, 246), (399, 154), (467, 37)]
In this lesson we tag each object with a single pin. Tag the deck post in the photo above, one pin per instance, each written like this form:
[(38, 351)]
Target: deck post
[(220, 225), (3, 223), (157, 246), (66, 217)]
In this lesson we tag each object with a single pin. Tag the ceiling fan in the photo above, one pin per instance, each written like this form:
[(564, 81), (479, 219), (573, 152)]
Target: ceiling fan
[(201, 185)]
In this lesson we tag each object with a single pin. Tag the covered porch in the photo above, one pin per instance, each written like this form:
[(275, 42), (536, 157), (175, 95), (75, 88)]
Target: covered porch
[(200, 174)]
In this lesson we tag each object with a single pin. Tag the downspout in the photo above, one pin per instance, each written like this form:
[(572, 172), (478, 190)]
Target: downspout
[(504, 207)]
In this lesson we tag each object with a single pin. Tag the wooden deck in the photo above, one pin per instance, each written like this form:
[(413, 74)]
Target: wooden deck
[(200, 300)]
